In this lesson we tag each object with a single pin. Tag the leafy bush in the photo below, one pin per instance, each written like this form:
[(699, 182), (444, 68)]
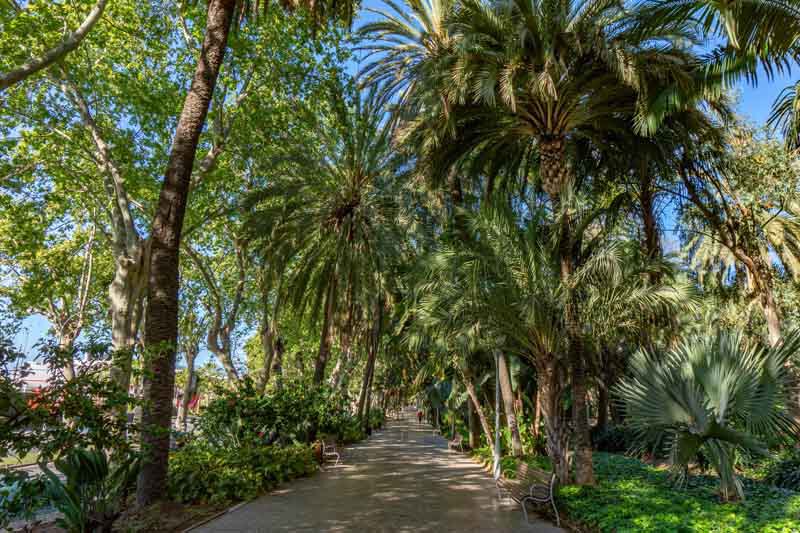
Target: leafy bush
[(376, 418), (241, 417), (81, 412), (784, 471), (631, 496), (199, 472), (352, 432), (93, 492), (21, 496), (613, 439)]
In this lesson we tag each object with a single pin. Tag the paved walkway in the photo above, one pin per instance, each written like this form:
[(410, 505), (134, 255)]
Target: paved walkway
[(387, 484)]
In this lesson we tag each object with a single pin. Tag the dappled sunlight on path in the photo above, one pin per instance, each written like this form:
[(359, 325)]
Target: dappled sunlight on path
[(401, 479)]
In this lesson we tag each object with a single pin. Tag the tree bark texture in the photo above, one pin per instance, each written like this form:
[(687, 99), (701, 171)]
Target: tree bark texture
[(508, 403), (161, 324), (326, 336), (469, 384), (555, 175)]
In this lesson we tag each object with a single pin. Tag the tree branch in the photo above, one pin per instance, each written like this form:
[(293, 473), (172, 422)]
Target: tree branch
[(70, 43)]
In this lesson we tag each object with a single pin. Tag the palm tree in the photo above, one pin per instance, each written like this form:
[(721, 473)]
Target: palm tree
[(333, 216), (402, 45), (754, 33), (718, 395), (502, 289), (161, 321), (533, 80)]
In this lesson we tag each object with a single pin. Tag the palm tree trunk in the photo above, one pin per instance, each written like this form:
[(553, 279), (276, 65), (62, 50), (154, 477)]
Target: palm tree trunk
[(474, 426), (326, 335), (602, 408), (550, 384), (476, 403), (508, 403), (277, 367), (372, 356), (584, 469), (555, 175), (362, 397), (161, 324), (652, 243)]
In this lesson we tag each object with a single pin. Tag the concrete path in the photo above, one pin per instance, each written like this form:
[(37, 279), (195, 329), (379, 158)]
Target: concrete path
[(401, 479)]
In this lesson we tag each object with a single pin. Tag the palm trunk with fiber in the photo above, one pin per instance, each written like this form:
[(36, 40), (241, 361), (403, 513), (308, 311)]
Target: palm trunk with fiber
[(555, 175), (474, 427), (551, 384), (161, 324)]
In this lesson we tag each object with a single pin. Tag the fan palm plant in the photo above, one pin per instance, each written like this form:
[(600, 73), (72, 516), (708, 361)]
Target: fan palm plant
[(331, 217), (716, 395)]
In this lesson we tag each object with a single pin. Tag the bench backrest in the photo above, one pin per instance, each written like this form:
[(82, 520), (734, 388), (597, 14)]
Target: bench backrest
[(530, 475)]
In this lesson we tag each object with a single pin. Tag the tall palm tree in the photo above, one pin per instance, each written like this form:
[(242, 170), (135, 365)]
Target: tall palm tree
[(560, 74), (332, 215), (161, 321)]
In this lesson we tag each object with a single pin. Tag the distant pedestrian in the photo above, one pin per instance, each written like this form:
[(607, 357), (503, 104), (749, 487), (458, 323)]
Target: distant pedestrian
[(419, 416)]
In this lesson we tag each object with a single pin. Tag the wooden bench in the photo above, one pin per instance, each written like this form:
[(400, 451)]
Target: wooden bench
[(456, 443), (329, 451), (529, 485)]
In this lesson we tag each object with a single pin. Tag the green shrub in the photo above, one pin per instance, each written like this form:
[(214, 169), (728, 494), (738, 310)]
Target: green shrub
[(21, 496), (613, 439), (784, 470), (199, 472), (91, 491), (633, 497), (352, 432), (241, 417), (376, 418)]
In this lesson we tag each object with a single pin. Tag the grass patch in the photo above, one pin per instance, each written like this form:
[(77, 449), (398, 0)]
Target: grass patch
[(28, 458)]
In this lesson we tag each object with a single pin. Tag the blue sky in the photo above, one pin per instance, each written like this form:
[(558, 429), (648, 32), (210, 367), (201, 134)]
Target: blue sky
[(754, 105)]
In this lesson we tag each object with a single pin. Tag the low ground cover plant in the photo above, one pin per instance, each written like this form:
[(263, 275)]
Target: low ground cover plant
[(632, 496)]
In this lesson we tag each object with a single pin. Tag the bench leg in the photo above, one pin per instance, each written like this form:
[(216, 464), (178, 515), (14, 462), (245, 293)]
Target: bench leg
[(524, 510), (558, 520)]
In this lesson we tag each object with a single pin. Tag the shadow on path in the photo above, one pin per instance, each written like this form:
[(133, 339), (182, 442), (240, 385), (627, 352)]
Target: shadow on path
[(403, 478)]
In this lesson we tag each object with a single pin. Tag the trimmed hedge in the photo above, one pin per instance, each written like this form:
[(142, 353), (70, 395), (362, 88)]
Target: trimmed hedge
[(201, 473)]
